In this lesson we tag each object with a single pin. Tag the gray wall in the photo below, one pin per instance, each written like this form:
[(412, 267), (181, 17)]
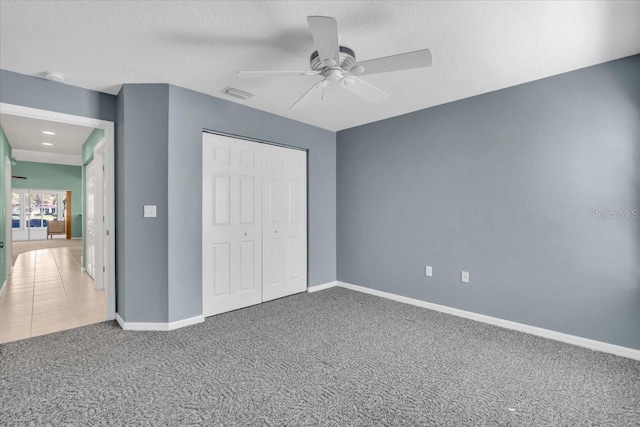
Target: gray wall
[(158, 149), (191, 112), (28, 91), (503, 185), (141, 170)]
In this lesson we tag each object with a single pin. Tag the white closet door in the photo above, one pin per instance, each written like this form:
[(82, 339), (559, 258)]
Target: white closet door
[(284, 221), (90, 226), (231, 221)]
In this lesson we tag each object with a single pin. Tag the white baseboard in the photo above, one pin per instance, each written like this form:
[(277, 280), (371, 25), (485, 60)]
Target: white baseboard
[(533, 330), (321, 287), (159, 326), (186, 322), (120, 321)]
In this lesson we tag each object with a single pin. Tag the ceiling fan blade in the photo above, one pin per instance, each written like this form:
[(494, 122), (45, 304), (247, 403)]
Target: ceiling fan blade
[(324, 31), (364, 90), (315, 89), (403, 61), (320, 91), (252, 74)]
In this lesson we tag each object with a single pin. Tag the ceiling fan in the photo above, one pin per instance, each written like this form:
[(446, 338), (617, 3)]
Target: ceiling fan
[(338, 67)]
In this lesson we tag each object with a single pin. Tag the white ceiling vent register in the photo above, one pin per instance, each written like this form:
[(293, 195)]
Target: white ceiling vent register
[(237, 93)]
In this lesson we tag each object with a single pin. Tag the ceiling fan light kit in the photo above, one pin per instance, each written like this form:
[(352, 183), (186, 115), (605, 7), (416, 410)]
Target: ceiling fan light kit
[(337, 64)]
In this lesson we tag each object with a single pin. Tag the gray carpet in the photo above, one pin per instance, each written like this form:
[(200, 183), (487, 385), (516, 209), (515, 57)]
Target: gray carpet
[(334, 357)]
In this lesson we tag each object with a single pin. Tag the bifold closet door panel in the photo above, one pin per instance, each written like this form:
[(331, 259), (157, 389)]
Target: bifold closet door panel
[(231, 222), (284, 222)]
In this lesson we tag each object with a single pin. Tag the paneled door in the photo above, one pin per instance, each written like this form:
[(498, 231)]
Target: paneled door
[(98, 228), (231, 224), (284, 220), (90, 219)]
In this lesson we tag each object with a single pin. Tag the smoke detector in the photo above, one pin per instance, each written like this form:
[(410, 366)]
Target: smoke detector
[(53, 76)]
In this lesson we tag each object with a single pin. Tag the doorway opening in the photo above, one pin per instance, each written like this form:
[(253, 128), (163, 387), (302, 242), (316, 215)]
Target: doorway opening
[(56, 219)]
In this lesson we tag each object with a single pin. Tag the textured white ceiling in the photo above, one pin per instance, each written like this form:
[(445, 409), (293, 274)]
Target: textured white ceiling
[(25, 133), (477, 46)]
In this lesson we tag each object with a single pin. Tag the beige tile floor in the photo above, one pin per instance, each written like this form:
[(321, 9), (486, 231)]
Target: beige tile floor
[(47, 292)]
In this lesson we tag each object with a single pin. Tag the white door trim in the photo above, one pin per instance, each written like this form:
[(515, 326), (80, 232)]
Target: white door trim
[(259, 141), (109, 162), (8, 246)]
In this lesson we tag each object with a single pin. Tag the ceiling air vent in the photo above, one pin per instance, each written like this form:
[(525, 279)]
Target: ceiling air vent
[(232, 91)]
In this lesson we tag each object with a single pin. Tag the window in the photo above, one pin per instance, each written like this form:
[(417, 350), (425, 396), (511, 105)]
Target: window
[(31, 211)]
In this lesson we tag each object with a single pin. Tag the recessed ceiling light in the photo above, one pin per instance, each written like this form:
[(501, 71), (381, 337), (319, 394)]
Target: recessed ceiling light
[(47, 143), (48, 132)]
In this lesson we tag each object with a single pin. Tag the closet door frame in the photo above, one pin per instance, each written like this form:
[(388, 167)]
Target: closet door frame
[(306, 166)]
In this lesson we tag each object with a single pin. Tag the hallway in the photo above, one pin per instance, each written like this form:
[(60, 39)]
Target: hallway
[(46, 293)]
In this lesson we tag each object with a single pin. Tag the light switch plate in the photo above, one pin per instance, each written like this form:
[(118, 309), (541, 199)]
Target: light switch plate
[(428, 271), (465, 277), (149, 211)]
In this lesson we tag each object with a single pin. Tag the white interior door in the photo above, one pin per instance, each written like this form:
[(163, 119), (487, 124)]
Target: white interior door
[(90, 231), (231, 224), (284, 222), (98, 217)]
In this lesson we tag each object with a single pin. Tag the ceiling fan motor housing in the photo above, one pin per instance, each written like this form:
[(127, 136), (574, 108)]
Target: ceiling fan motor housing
[(347, 57)]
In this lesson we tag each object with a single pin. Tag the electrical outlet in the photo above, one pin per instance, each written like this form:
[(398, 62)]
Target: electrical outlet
[(465, 277), (149, 211), (428, 271)]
